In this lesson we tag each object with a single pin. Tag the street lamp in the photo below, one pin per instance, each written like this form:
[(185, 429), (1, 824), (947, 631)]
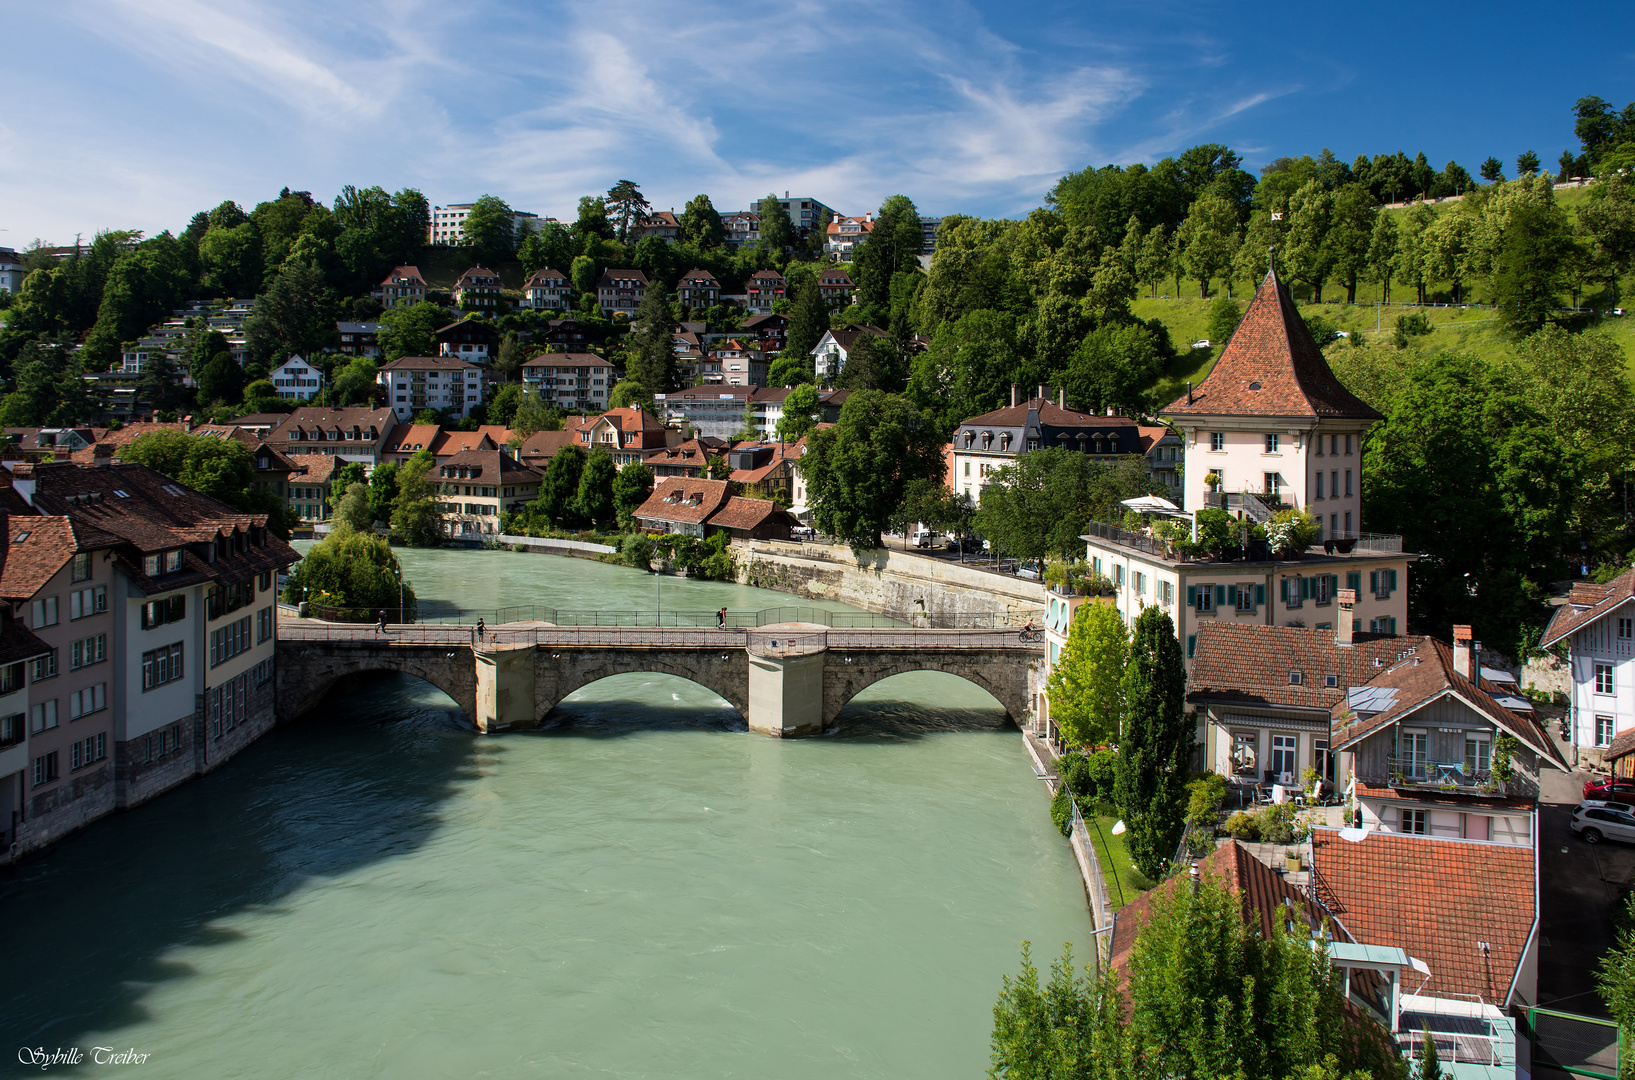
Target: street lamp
[(658, 584)]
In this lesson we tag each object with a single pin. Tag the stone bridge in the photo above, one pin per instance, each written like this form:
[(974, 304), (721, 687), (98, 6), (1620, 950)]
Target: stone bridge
[(785, 680)]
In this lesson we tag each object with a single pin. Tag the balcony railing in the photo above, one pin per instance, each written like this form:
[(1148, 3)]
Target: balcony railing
[(1405, 772)]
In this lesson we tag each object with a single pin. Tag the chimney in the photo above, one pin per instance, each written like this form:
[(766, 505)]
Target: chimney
[(1044, 391), (22, 478), (1110, 411), (1189, 392), (1061, 398), (102, 454), (1347, 600), (1013, 394), (1464, 652)]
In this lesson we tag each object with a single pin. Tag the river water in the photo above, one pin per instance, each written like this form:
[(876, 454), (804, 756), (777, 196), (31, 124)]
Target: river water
[(643, 890)]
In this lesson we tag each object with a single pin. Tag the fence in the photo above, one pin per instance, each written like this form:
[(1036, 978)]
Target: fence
[(432, 612), (1101, 905), (1580, 1045), (762, 643)]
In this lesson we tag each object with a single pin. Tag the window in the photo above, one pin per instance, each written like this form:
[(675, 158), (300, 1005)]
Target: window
[(1271, 444), (161, 666), (1383, 626), (87, 651), (1217, 440), (1353, 581), (88, 751), (228, 705), (1382, 583), (229, 641), (1296, 590), (1603, 731), (1201, 597), (264, 582), (1348, 449), (12, 729), (1192, 645), (80, 566), (263, 624), (1603, 678), (45, 768), (1413, 821), (1413, 758), (1318, 494), (89, 700), (1270, 482), (42, 716), (1331, 681), (45, 667), (43, 613), (1283, 756), (11, 678), (1295, 678), (1626, 628), (1323, 758), (1169, 595), (159, 612), (1248, 594), (1478, 754), (87, 602), (1139, 583), (1348, 484), (1245, 754)]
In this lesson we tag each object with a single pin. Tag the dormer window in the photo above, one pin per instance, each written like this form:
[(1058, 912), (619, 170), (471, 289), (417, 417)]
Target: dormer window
[(1294, 678)]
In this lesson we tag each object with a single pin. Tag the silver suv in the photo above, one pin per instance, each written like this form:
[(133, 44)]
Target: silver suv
[(1596, 820)]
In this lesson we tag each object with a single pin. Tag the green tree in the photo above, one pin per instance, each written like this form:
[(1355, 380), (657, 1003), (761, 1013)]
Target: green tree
[(221, 379), (628, 392), (858, 471), (353, 507), (1210, 238), (550, 245), (1154, 744), (593, 500), (628, 208), (559, 490), (342, 479), (652, 355), (584, 273), (701, 225), (231, 259), (630, 489), (219, 468), (1608, 221), (47, 390), (1530, 271), (491, 230), (808, 322), (1306, 252), (893, 246), (801, 411), (1224, 315), (508, 360), (788, 370), (411, 331), (503, 409), (777, 232), (1526, 163), (1351, 231), (1493, 170), (382, 491), (1616, 977), (295, 315), (356, 383), (1066, 1030), (357, 569), (533, 416), (415, 517), (1086, 686)]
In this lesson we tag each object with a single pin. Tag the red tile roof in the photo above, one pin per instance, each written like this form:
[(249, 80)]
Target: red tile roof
[(565, 359), (683, 500), (747, 515), (1437, 899), (39, 546), (489, 466), (1272, 366), (429, 363), (315, 468), (411, 438), (1586, 603), (1249, 664), (540, 447)]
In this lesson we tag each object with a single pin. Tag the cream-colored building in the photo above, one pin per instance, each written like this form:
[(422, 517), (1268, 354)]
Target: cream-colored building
[(475, 486)]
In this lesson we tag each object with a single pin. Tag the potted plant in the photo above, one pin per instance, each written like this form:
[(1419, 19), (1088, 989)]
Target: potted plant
[(1213, 479)]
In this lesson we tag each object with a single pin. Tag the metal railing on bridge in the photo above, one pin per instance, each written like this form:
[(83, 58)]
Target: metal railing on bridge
[(433, 613), (760, 642)]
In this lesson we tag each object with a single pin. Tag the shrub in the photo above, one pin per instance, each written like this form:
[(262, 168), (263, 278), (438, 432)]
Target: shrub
[(1061, 810), (1290, 532), (1243, 826), (1203, 805), (1217, 532), (637, 550)]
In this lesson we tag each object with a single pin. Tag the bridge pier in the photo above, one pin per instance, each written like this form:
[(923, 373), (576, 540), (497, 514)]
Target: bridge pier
[(786, 680), (505, 687)]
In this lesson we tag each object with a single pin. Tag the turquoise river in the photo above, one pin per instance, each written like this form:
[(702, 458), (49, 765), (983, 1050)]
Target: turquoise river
[(643, 890)]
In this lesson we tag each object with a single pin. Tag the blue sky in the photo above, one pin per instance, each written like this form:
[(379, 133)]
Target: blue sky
[(137, 113)]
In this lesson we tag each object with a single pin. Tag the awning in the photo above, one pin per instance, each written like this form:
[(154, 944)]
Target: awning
[(1151, 504)]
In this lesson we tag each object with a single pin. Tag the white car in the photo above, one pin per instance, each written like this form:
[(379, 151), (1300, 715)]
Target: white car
[(1202, 343), (1595, 821)]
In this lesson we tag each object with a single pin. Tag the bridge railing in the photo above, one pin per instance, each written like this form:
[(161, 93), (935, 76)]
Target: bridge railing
[(433, 613), (768, 643)]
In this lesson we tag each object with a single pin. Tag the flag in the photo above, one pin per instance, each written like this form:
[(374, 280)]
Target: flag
[(1277, 216)]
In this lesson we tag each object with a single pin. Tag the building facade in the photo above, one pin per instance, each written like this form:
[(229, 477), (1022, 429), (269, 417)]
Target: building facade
[(1597, 626), (443, 383), (478, 289), (546, 290), (621, 291), (474, 487), (570, 380), (296, 380), (405, 286)]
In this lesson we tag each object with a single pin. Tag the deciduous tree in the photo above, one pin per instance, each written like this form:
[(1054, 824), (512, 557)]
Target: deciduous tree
[(631, 487), (858, 471), (1086, 685)]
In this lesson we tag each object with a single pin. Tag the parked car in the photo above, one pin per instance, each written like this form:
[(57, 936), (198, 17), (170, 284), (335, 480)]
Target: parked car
[(923, 538), (1610, 787), (801, 532), (1619, 311), (1201, 343), (1597, 823), (1027, 570), (1611, 804)]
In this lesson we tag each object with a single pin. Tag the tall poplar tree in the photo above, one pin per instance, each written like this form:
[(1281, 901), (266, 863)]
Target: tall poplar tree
[(1086, 686), (1154, 744)]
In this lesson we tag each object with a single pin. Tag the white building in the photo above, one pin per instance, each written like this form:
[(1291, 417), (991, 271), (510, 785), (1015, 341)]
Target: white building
[(1597, 624), (846, 235), (444, 383), (296, 380), (547, 290), (830, 353), (448, 224), (570, 380), (11, 270)]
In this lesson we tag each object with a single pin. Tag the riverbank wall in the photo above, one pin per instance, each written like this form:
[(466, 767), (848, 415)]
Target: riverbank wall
[(897, 583), (1084, 851)]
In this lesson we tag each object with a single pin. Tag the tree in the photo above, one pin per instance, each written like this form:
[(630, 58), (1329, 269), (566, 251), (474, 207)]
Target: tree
[(1351, 231), (1608, 221), (508, 360), (491, 230), (221, 379), (356, 383), (1616, 977), (1224, 316), (808, 322), (560, 487), (1154, 744), (1527, 163), (1037, 505), (652, 356), (628, 392), (873, 363), (1115, 365), (584, 273), (788, 370), (295, 314), (858, 471), (1209, 239), (701, 225), (355, 569), (627, 207), (630, 489), (382, 491), (1086, 686), (894, 245), (411, 331), (415, 518), (1306, 254), (1382, 254), (1530, 270), (1493, 170), (777, 232), (533, 416), (342, 479), (1066, 1031), (593, 500), (550, 245), (219, 468), (503, 409), (800, 413), (353, 508)]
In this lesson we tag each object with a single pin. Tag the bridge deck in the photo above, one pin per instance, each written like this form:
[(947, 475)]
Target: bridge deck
[(760, 640)]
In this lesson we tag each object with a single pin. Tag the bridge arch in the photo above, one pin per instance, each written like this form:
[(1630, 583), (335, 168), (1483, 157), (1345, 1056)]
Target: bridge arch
[(307, 673), (1001, 673), (723, 672)]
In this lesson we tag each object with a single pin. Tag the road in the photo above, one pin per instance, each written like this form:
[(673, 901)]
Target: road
[(764, 640), (1580, 886)]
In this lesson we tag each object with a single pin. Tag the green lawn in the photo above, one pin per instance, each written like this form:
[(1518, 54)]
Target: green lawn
[(1124, 881)]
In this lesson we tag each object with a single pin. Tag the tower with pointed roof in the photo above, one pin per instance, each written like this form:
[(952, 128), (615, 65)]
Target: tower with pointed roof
[(1272, 420)]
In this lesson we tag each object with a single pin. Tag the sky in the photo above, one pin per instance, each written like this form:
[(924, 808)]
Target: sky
[(140, 113)]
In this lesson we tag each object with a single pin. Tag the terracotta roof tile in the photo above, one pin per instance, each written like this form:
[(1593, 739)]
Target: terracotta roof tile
[(490, 466), (1249, 664), (1437, 899), (684, 500), (746, 514), (1586, 603), (1272, 366)]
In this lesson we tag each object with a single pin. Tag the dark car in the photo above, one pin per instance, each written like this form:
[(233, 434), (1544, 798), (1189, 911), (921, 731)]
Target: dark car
[(1610, 787)]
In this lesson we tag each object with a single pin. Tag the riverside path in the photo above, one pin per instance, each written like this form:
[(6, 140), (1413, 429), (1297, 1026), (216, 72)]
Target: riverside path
[(786, 679)]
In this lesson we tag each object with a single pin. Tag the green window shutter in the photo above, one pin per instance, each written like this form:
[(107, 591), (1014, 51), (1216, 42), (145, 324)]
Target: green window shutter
[(1305, 588), (1353, 581), (1393, 574), (1283, 593), (1356, 626), (1333, 585), (1192, 596), (1373, 581), (1220, 596), (1260, 595), (1393, 619), (1231, 596), (1192, 645)]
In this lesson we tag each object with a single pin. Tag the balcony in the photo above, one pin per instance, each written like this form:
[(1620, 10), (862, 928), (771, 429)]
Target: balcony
[(1411, 773), (1474, 1040)]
